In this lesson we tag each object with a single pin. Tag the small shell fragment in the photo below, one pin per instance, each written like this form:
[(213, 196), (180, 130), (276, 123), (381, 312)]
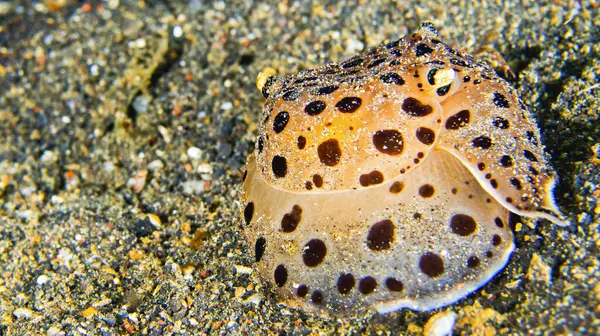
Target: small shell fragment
[(440, 324)]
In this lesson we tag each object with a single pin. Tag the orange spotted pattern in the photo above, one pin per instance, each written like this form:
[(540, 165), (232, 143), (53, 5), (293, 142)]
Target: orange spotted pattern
[(386, 181)]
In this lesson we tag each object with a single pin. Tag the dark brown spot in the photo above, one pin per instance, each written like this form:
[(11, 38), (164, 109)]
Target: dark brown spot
[(529, 156), (326, 90), (396, 187), (290, 220), (244, 176), (458, 120), (500, 100), (315, 107), (261, 144), (417, 216), (348, 104), (431, 265), (425, 135), (268, 84), (500, 122), (376, 63), (516, 183), (394, 285), (496, 240), (381, 235), (290, 95), (442, 91), (509, 200), (281, 275), (415, 108), (481, 166), (499, 222), (259, 248), (305, 79), (420, 155), (316, 297), (345, 283), (393, 44), (301, 142), (249, 212), (506, 161), (533, 170), (392, 78), (477, 81), (454, 191), (329, 152), (352, 63), (280, 121), (318, 180), (426, 190), (487, 176), (367, 285), (494, 183), (466, 79), (302, 290), (482, 142), (314, 252), (489, 254), (279, 166), (472, 262), (388, 142), (372, 178), (463, 225), (431, 76), (422, 49), (461, 63), (531, 136), (308, 185)]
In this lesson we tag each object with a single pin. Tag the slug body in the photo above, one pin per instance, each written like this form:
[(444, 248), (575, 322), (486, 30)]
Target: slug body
[(386, 181)]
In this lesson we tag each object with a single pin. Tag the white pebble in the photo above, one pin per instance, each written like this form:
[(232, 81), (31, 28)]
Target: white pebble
[(23, 313), (25, 214), (55, 331), (219, 5), (156, 165), (254, 299), (94, 70), (48, 156), (205, 168), (194, 153), (56, 199), (243, 269), (354, 46), (440, 324), (193, 187), (226, 106), (108, 166), (42, 279), (177, 31), (141, 103)]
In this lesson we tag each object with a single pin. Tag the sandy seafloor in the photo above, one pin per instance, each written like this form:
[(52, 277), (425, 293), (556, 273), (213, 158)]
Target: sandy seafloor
[(111, 111)]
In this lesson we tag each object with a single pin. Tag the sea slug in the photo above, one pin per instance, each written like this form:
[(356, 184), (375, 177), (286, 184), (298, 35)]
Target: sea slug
[(386, 181)]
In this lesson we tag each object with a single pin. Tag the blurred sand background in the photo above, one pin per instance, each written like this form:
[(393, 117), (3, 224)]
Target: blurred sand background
[(124, 127)]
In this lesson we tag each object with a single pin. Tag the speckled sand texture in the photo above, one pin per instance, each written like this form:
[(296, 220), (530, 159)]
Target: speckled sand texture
[(124, 127)]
